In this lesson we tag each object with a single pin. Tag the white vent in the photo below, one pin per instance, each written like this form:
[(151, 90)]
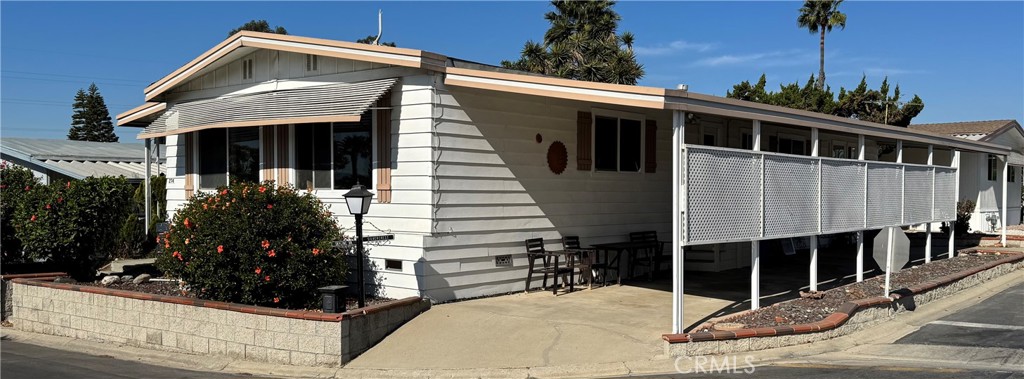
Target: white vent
[(311, 63), (246, 69)]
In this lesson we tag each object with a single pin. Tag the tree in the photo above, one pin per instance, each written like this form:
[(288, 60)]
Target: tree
[(91, 119), (861, 103), (258, 26), (370, 38), (819, 16), (582, 44)]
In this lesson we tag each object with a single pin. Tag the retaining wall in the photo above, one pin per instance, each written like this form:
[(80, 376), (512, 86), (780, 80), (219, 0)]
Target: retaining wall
[(205, 327)]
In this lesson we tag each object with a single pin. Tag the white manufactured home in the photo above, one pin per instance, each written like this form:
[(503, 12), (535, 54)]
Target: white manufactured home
[(982, 174), (467, 161)]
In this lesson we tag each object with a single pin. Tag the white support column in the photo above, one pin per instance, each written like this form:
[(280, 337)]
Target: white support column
[(860, 233), (755, 246), (814, 238), (956, 198), (903, 181), (147, 160), (1006, 171), (678, 132), (928, 226)]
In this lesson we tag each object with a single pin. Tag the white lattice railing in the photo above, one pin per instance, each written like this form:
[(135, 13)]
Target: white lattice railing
[(733, 195)]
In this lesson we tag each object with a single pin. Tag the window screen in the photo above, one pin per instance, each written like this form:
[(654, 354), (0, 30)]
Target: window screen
[(605, 144), (352, 147), (212, 158), (629, 145)]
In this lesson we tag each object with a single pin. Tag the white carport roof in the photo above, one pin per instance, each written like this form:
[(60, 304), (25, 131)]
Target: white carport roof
[(80, 159)]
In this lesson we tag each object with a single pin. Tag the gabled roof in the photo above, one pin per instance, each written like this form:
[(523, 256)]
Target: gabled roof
[(79, 159), (467, 74), (966, 127)]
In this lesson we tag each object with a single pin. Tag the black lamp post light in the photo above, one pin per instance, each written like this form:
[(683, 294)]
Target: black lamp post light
[(358, 200)]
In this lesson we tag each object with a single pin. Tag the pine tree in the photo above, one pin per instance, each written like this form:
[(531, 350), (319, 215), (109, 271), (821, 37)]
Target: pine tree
[(91, 119)]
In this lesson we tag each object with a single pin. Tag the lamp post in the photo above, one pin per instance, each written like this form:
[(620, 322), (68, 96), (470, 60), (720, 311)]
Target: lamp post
[(358, 200)]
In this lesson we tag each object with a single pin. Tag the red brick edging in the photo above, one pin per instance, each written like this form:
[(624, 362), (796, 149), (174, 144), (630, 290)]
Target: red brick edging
[(38, 275), (837, 319), (265, 311)]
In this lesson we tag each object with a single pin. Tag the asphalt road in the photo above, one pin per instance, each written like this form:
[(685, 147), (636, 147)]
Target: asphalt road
[(24, 361), (996, 322)]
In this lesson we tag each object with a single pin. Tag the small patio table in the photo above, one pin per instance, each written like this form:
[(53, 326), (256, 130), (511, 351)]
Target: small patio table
[(618, 248), (570, 257)]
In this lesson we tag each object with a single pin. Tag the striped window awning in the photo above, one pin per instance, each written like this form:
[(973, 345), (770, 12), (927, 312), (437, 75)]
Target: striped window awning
[(341, 102)]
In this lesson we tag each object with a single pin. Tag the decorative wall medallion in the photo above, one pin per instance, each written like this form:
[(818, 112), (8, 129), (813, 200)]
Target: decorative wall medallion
[(558, 157)]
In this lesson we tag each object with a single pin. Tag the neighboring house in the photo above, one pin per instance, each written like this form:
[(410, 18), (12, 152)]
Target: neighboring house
[(56, 160), (981, 175), (467, 161)]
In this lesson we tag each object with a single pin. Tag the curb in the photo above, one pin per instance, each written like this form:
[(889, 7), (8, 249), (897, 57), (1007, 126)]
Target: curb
[(838, 318)]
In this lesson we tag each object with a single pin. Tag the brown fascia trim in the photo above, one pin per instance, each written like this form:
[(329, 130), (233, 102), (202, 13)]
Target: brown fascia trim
[(235, 41), (138, 112), (838, 318), (695, 102), (251, 309)]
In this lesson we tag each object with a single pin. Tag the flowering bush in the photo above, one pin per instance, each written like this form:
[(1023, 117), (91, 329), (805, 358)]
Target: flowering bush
[(15, 183), (254, 244), (73, 223)]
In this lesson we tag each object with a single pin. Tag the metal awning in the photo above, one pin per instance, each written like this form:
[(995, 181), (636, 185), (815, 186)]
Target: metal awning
[(341, 102)]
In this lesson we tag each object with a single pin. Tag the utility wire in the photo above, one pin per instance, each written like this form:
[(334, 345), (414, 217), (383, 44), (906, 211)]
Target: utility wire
[(75, 76)]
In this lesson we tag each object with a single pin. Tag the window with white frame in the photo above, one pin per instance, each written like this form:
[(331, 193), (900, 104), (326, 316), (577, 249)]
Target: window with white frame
[(312, 64), (992, 163), (228, 155), (247, 68), (334, 155), (618, 143)]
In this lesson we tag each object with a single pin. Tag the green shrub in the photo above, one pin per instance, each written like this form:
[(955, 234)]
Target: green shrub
[(964, 209), (15, 183), (254, 244), (74, 223)]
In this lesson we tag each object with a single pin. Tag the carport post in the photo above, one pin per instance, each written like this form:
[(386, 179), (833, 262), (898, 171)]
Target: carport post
[(678, 131), (755, 246), (814, 238), (956, 197), (148, 193), (928, 226), (1006, 169), (860, 233)]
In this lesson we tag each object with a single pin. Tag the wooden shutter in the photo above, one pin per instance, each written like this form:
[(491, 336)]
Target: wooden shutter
[(269, 162), (282, 154), (383, 130), (651, 146), (189, 146), (583, 141)]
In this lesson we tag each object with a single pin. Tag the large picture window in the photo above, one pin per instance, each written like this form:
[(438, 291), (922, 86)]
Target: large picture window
[(333, 155), (231, 154), (617, 144)]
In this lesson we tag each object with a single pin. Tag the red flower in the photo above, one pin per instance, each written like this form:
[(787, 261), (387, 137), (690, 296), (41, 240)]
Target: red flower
[(177, 255), (47, 206), (258, 271), (270, 206), (271, 253), (68, 184), (60, 199), (265, 244), (277, 299), (220, 249), (188, 224), (266, 278), (33, 218), (224, 191), (316, 251), (27, 188), (263, 189), (205, 207)]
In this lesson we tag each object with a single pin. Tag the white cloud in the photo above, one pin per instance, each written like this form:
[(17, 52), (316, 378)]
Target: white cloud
[(672, 48), (776, 58)]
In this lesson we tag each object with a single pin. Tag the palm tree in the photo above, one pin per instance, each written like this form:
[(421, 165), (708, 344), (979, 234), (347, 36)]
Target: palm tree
[(819, 16), (582, 44)]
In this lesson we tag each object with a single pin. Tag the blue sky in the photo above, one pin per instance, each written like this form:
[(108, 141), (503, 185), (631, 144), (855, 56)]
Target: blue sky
[(965, 59)]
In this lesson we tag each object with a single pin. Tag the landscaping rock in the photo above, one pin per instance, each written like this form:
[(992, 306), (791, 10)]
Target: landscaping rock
[(127, 278), (109, 279), (66, 280), (141, 279)]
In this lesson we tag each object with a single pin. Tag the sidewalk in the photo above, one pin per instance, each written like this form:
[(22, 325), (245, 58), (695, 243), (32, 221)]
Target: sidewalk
[(625, 366)]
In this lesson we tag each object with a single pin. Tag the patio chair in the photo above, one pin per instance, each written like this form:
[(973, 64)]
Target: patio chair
[(651, 257), (549, 265), (589, 261)]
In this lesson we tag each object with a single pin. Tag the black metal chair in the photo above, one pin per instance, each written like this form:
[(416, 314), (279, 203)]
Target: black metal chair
[(651, 256), (549, 265), (589, 260)]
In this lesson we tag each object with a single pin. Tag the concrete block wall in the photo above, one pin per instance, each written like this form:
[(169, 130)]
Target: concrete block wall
[(205, 327)]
